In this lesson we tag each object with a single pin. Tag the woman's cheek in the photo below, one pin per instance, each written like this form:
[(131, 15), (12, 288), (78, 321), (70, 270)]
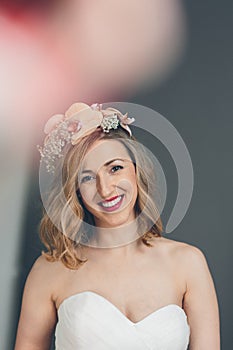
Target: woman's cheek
[(88, 193)]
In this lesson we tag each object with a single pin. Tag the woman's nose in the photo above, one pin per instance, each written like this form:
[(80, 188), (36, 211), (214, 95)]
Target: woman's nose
[(105, 186)]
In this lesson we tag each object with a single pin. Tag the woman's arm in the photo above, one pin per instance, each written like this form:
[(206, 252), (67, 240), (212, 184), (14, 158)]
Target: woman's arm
[(38, 313), (200, 302)]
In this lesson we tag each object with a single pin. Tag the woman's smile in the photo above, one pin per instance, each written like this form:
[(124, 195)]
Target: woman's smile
[(112, 205)]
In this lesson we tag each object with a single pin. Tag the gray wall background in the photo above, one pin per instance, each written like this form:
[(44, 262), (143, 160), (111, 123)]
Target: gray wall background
[(197, 100)]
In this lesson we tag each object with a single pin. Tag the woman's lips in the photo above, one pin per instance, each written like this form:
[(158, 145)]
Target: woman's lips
[(111, 199), (108, 207)]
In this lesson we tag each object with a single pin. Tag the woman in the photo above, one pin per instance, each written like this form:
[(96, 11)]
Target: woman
[(109, 280)]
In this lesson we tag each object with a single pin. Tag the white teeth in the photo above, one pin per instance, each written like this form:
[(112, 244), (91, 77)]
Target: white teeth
[(112, 203)]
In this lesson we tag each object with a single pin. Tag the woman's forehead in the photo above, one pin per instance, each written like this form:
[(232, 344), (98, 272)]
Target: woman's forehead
[(103, 151)]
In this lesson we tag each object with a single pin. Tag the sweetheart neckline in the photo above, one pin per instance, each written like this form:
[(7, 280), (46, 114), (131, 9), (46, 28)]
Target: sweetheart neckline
[(76, 295)]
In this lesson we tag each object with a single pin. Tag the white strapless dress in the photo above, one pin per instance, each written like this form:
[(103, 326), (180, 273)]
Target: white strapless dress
[(88, 321)]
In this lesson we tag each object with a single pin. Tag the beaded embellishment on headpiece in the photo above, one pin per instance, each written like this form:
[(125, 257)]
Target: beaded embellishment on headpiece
[(78, 121)]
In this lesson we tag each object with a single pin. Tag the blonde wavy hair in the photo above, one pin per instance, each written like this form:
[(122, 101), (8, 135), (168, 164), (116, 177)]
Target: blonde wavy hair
[(63, 241)]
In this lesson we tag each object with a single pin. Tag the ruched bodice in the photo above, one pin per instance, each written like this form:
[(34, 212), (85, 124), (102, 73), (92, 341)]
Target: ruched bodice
[(89, 321)]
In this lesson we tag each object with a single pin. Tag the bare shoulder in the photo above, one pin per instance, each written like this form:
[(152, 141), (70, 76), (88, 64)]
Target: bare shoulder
[(188, 259), (43, 268), (200, 300), (38, 313), (44, 274), (172, 247), (182, 250), (189, 255)]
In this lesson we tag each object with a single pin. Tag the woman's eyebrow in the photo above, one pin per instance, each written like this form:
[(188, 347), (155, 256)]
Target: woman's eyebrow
[(105, 164)]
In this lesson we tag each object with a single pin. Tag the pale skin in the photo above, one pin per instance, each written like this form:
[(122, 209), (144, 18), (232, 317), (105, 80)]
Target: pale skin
[(138, 280)]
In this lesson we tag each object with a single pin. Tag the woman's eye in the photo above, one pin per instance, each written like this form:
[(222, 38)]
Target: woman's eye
[(87, 178), (116, 168)]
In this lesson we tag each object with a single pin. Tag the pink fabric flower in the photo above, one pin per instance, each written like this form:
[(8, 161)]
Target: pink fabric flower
[(78, 121), (125, 121), (74, 126), (89, 119), (123, 118), (53, 122)]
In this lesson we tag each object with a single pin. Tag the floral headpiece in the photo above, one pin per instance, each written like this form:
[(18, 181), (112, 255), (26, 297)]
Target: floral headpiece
[(78, 121)]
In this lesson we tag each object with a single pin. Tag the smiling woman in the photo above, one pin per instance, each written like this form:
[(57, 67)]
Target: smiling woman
[(109, 280), (100, 167)]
